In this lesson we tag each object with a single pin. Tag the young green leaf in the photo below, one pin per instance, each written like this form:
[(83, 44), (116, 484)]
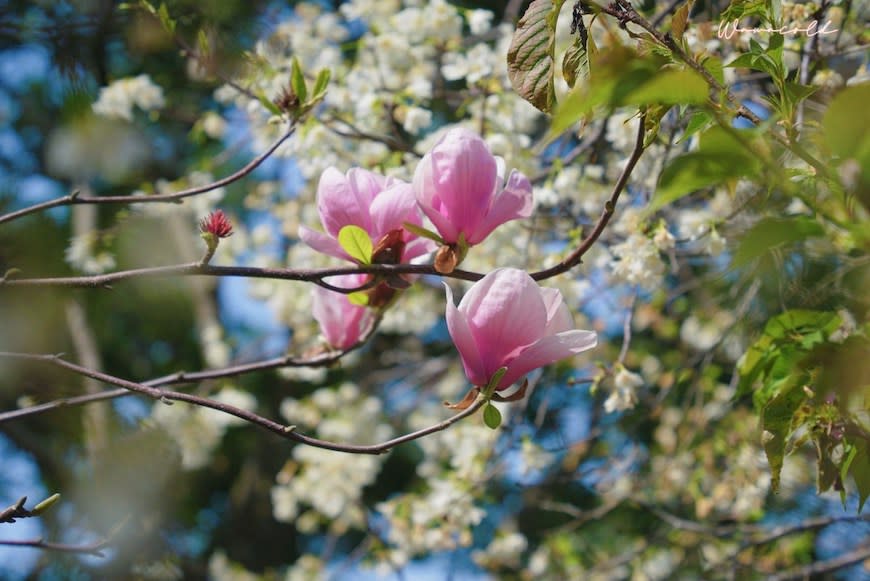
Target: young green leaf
[(357, 243), (360, 298), (297, 81), (422, 232), (491, 416)]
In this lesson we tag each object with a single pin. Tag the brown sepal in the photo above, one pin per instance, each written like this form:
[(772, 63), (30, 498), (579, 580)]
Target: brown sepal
[(466, 401)]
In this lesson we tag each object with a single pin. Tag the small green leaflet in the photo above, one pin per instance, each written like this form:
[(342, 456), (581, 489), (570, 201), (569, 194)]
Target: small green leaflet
[(491, 416), (356, 242), (360, 298)]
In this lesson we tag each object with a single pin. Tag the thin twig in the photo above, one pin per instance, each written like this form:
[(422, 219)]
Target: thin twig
[(609, 207), (861, 553), (75, 198), (95, 548), (316, 276), (319, 360), (284, 431)]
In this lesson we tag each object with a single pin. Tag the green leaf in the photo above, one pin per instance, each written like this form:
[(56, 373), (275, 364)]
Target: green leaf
[(297, 81), (845, 123), (698, 121), (721, 156), (359, 298), (491, 416), (771, 233), (493, 381), (320, 84), (166, 19), (531, 55), (693, 171), (268, 104), (357, 243), (860, 470), (776, 418), (422, 232), (670, 87)]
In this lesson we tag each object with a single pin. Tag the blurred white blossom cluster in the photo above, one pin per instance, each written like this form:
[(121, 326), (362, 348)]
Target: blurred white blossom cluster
[(321, 486), (198, 430), (119, 98)]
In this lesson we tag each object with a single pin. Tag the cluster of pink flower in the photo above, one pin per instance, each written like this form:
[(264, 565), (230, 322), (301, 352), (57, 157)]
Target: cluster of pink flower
[(506, 319)]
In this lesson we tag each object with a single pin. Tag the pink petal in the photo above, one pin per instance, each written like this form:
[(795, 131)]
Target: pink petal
[(344, 200), (505, 312), (546, 351), (417, 248), (464, 173), (465, 343), (322, 243), (430, 203), (391, 208), (558, 316), (515, 201)]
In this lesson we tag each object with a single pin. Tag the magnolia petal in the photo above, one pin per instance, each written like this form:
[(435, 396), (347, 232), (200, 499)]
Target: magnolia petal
[(464, 173), (427, 199), (340, 201), (465, 343), (514, 202), (506, 313), (558, 316), (322, 243), (546, 351), (392, 208)]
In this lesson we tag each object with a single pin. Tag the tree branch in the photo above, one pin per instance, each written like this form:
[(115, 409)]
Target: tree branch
[(315, 276), (284, 431), (75, 198), (576, 257)]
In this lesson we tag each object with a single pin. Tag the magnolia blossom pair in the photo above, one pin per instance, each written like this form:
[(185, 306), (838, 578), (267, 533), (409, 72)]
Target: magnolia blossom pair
[(459, 185), (505, 320)]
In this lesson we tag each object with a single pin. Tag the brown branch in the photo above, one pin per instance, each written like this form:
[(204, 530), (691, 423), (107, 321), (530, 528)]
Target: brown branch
[(15, 511), (576, 257), (861, 553), (284, 431), (320, 360), (75, 198), (315, 276), (95, 548)]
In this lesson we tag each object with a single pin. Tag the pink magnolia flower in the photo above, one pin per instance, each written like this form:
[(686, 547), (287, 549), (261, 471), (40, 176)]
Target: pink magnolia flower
[(341, 322), (507, 320), (460, 186), (362, 198)]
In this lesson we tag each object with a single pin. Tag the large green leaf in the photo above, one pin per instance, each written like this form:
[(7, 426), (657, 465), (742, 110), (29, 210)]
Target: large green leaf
[(845, 123), (721, 156), (670, 87), (860, 469), (531, 57), (776, 418), (771, 233), (694, 171)]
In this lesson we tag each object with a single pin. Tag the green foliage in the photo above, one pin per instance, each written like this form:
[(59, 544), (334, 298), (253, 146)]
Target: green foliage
[(531, 58), (621, 77), (773, 233), (721, 156), (794, 370), (845, 129)]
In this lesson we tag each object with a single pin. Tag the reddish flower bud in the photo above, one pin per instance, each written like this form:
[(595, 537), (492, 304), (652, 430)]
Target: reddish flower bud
[(216, 223)]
